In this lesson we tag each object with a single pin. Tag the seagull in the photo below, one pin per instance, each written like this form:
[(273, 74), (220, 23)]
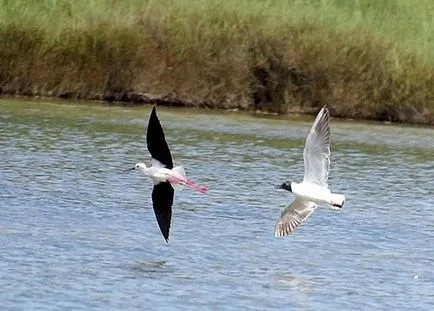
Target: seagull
[(313, 189), (165, 176)]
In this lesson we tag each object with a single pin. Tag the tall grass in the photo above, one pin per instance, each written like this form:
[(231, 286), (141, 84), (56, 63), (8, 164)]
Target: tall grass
[(365, 58)]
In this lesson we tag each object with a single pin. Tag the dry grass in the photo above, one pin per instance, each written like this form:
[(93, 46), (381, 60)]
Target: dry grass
[(365, 59)]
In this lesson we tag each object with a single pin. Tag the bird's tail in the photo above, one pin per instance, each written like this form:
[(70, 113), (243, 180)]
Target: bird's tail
[(337, 200), (179, 181), (179, 170)]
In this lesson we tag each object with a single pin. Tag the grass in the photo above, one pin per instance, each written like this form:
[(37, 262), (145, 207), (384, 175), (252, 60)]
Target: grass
[(371, 59)]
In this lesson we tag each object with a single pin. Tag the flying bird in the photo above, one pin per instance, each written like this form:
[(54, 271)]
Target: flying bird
[(313, 189), (165, 176)]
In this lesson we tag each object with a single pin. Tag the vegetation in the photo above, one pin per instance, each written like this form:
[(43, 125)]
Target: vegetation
[(364, 58)]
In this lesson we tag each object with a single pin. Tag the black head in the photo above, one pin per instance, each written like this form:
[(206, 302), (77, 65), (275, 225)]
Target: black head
[(286, 186)]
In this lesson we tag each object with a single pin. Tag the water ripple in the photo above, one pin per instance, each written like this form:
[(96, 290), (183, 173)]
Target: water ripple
[(79, 233)]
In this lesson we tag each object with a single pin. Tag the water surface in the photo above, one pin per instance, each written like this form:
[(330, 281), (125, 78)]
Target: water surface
[(79, 233)]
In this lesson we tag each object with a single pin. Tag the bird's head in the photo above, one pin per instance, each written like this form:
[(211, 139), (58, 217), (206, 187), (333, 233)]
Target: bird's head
[(139, 166), (285, 186)]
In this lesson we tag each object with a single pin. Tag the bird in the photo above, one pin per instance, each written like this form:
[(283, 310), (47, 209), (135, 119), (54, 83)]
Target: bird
[(314, 188), (165, 176)]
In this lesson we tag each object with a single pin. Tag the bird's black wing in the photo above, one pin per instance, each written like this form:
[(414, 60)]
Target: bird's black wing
[(162, 201), (156, 141)]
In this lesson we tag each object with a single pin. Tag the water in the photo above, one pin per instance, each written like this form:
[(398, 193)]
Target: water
[(79, 233)]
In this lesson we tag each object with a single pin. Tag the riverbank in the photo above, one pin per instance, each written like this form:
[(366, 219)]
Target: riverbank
[(372, 61)]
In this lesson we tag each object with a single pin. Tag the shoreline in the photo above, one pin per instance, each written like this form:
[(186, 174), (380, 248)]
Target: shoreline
[(142, 99)]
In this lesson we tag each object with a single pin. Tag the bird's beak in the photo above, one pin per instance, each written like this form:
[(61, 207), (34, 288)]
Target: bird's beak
[(130, 169), (277, 186)]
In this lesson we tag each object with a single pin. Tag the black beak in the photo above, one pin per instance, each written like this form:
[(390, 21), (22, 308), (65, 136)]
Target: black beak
[(130, 169)]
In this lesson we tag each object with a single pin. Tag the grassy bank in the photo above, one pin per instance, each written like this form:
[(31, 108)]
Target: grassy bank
[(369, 59)]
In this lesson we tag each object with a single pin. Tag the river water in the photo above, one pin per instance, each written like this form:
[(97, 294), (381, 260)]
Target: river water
[(77, 232)]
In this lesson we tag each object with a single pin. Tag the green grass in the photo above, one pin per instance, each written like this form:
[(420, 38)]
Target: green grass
[(369, 59)]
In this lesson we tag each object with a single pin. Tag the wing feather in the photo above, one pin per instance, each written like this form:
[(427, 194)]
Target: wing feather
[(156, 141), (317, 150), (293, 216), (162, 201)]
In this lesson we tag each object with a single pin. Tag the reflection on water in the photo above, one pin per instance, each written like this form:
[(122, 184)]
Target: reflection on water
[(151, 269), (300, 284), (79, 233), (150, 266)]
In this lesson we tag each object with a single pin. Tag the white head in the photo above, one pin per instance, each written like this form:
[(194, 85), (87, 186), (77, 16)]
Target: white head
[(139, 166)]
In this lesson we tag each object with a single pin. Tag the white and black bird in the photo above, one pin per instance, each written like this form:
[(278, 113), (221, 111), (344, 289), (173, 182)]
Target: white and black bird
[(166, 178), (313, 189)]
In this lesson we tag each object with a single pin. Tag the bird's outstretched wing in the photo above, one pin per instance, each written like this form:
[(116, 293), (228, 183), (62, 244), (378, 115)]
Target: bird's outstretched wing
[(156, 141), (162, 201), (317, 150), (293, 216)]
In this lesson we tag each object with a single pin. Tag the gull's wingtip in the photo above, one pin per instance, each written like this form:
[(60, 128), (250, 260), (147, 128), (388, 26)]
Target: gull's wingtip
[(324, 110), (279, 234), (283, 229)]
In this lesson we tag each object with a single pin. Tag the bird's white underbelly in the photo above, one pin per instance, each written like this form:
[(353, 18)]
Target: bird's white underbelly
[(312, 192), (163, 174)]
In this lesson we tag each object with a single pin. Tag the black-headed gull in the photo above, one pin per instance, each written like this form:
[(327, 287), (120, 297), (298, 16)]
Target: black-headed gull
[(313, 189), (166, 178)]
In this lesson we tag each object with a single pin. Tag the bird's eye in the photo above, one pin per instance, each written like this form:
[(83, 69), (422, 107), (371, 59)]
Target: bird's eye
[(137, 166)]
